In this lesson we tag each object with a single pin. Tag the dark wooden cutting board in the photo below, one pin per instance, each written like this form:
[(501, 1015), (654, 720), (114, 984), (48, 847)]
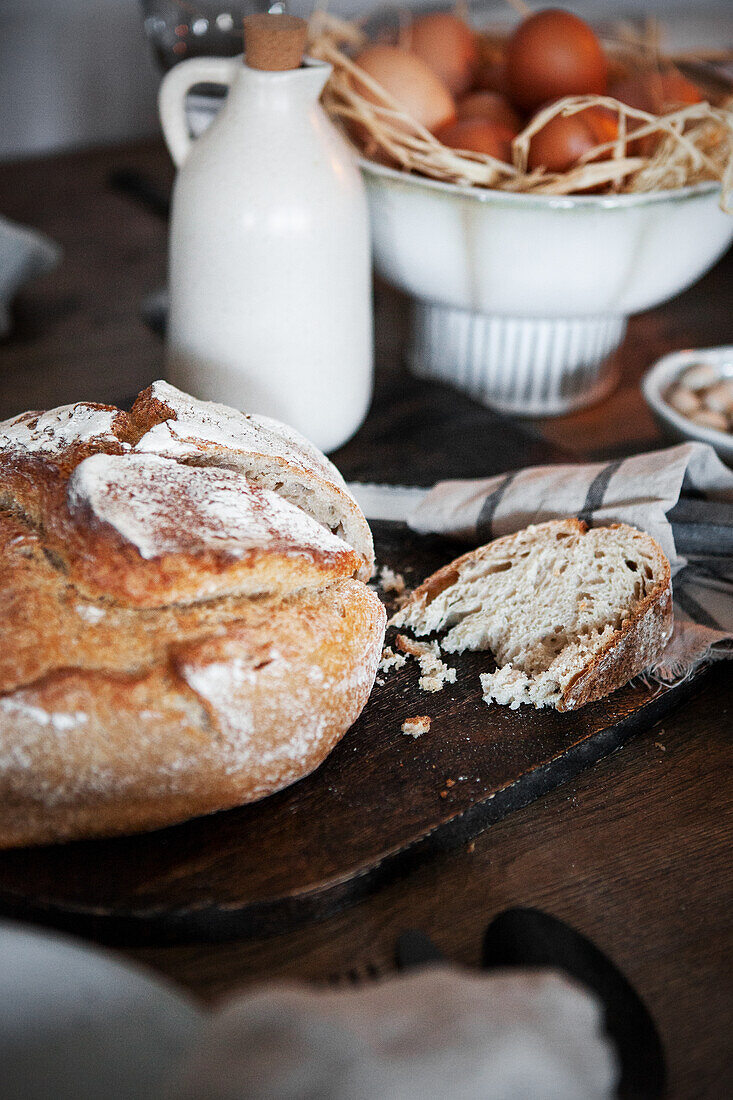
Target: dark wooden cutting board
[(379, 804)]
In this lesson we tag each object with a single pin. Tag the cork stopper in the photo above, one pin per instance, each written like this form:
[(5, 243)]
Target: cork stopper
[(274, 42)]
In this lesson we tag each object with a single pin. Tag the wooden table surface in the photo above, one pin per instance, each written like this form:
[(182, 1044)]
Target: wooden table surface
[(635, 853)]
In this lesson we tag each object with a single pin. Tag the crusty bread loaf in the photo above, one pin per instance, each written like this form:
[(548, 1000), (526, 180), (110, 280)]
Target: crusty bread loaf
[(38, 451), (181, 629), (569, 614)]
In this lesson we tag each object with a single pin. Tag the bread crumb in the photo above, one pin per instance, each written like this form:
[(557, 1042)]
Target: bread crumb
[(391, 660), (435, 673), (443, 794), (471, 847), (417, 726), (414, 648), (393, 587), (391, 581), (450, 782), (659, 745)]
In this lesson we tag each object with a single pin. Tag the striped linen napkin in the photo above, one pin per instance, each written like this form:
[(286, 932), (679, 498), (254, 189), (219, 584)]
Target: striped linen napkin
[(682, 496)]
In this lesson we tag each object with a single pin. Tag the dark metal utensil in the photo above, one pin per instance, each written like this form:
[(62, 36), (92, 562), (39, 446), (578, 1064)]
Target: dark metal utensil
[(355, 975), (529, 937), (414, 948)]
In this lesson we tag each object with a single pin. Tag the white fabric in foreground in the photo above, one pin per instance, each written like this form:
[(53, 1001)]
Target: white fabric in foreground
[(435, 1033)]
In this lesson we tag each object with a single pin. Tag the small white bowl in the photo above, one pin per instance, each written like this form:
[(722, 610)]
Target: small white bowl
[(661, 377), (521, 299)]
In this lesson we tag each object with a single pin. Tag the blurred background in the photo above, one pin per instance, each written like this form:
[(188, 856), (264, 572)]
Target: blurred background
[(75, 73)]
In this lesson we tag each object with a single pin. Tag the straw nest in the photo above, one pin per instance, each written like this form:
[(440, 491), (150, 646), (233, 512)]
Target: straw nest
[(696, 142)]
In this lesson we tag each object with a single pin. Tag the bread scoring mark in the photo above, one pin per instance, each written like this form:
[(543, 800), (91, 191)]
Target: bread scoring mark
[(269, 454), (107, 637), (227, 688), (193, 426), (161, 507), (218, 684), (54, 431)]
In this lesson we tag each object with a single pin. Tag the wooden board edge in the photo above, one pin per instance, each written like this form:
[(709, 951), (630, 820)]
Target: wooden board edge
[(212, 923)]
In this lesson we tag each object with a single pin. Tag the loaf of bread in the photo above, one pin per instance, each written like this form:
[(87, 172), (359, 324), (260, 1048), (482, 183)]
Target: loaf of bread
[(569, 614), (184, 623)]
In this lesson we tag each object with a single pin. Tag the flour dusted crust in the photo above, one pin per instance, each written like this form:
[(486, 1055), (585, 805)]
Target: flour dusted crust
[(38, 452), (53, 433), (212, 722), (272, 455), (176, 639), (149, 530)]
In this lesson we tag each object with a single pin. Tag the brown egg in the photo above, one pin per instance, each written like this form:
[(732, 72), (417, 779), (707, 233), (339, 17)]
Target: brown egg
[(678, 91), (634, 92), (491, 106), (491, 72), (553, 54), (656, 92), (420, 93), (448, 46), (478, 135), (565, 138), (603, 122)]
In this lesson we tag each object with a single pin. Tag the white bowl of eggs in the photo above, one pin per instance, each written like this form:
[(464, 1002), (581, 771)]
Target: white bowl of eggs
[(520, 299)]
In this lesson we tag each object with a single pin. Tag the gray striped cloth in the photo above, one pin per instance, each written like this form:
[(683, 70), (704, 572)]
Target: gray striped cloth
[(683, 496)]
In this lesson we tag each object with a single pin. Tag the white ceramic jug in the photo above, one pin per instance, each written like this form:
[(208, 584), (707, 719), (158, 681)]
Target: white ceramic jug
[(269, 269)]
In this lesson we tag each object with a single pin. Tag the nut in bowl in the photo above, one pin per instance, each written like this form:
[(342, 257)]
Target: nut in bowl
[(524, 274), (691, 396)]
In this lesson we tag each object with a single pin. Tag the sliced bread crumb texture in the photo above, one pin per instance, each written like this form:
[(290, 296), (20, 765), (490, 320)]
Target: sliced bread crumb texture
[(569, 614)]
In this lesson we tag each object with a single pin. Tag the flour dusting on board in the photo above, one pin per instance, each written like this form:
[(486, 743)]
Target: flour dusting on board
[(161, 507)]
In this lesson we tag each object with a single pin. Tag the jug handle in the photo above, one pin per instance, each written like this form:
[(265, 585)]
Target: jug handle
[(174, 87)]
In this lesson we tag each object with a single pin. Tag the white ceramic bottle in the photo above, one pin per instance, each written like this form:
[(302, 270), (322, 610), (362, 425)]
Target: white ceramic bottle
[(269, 268)]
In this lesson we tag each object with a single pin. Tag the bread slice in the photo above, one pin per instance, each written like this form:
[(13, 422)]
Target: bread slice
[(569, 613)]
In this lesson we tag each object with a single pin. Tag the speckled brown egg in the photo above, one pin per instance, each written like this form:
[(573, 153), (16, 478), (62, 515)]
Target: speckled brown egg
[(479, 135), (562, 141), (491, 106), (420, 93), (553, 54), (448, 46)]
